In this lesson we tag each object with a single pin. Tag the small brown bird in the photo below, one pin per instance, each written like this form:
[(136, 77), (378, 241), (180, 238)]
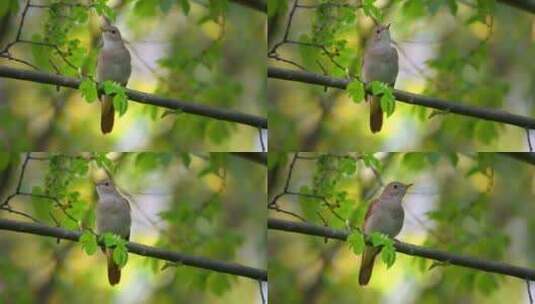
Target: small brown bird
[(113, 64), (384, 215), (380, 64), (113, 215)]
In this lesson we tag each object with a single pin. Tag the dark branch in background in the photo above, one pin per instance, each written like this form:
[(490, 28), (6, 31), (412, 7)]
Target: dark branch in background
[(139, 249), (522, 156), (409, 249), (257, 157), (141, 97), (258, 5), (529, 292), (527, 5), (410, 98)]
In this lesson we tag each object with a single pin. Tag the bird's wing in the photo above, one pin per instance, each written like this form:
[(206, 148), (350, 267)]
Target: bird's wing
[(373, 205)]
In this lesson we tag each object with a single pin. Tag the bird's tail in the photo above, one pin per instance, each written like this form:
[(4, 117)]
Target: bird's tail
[(376, 114), (107, 114), (114, 271), (366, 266)]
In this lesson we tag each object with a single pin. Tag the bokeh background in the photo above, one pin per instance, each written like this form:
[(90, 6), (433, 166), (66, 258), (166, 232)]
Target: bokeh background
[(202, 205), (474, 52), (468, 204)]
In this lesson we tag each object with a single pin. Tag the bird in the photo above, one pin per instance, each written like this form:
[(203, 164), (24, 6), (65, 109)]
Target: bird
[(113, 64), (380, 63), (113, 215), (385, 215)]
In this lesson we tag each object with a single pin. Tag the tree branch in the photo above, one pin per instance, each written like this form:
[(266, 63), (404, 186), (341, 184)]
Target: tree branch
[(141, 97), (430, 102), (409, 249), (527, 5), (139, 249), (258, 5), (522, 156)]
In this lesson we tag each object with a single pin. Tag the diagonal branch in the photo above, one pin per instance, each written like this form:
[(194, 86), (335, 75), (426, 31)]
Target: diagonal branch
[(141, 97), (409, 249), (527, 5), (456, 107), (139, 249)]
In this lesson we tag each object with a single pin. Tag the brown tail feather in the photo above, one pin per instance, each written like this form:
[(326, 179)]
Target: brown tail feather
[(107, 114), (376, 114), (114, 271), (366, 266)]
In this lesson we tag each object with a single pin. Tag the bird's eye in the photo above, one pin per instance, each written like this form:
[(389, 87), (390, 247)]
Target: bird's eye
[(395, 186), (378, 31), (106, 184), (113, 31)]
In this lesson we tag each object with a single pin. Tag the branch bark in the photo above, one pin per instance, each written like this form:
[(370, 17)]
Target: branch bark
[(139, 249), (258, 5), (409, 249), (527, 5), (141, 97), (456, 107)]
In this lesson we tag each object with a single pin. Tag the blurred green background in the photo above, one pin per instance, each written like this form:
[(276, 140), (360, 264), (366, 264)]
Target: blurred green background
[(477, 205), (207, 205)]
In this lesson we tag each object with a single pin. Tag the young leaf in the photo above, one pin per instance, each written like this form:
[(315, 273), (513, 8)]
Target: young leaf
[(120, 255), (355, 89), (88, 242), (88, 89), (356, 242)]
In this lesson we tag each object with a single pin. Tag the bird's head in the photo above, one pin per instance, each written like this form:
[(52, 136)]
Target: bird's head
[(396, 189), (110, 33), (105, 187), (382, 33)]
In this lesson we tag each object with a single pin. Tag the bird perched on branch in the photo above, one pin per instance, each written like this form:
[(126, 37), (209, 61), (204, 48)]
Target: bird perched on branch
[(113, 64), (380, 64), (113, 215), (384, 215)]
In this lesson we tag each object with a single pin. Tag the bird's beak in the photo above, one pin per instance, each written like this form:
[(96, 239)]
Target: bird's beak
[(388, 28), (408, 186)]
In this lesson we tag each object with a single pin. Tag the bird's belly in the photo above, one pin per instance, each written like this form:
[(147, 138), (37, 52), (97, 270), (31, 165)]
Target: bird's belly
[(389, 223)]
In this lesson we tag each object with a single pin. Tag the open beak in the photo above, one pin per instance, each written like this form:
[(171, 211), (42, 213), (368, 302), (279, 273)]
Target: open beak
[(408, 186)]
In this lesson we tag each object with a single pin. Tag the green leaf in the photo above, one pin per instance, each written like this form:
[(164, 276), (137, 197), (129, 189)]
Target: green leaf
[(371, 10), (218, 283), (414, 161), (120, 100), (111, 239), (88, 89), (184, 4), (387, 96), (388, 255), (356, 242), (371, 161), (348, 166), (355, 89), (8, 5), (186, 159), (120, 255), (276, 6), (88, 242)]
